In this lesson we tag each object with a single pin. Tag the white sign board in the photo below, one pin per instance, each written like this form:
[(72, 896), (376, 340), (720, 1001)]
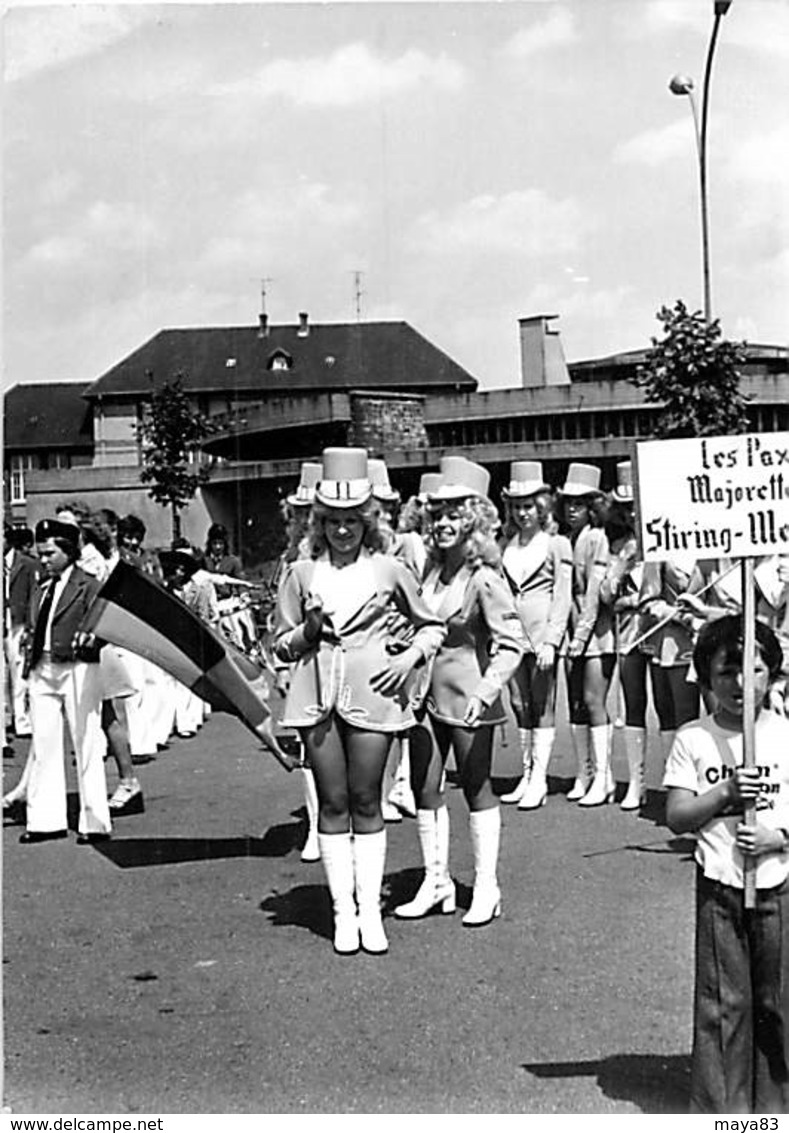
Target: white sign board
[(714, 497)]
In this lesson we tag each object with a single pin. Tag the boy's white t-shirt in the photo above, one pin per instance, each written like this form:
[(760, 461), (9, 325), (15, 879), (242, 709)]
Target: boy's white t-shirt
[(702, 755)]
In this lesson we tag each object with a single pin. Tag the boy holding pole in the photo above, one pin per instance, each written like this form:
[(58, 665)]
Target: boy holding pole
[(741, 1006)]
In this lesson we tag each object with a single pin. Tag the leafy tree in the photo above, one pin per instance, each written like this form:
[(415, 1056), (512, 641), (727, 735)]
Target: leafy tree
[(169, 432), (693, 373)]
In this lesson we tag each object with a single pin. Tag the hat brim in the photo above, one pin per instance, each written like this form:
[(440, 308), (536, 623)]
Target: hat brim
[(579, 490), (449, 492), (623, 497), (298, 501), (346, 504), (529, 488)]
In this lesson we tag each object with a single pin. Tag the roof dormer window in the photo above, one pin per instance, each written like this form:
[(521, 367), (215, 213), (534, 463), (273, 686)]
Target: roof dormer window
[(279, 360)]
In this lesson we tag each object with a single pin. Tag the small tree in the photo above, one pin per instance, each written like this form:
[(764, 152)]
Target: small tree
[(170, 431), (694, 375)]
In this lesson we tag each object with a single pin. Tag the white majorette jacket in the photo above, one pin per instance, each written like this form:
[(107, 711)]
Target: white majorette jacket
[(483, 646), (540, 577), (591, 622), (363, 603)]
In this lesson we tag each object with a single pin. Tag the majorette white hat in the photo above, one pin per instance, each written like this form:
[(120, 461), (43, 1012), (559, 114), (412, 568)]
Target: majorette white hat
[(345, 481), (623, 492), (379, 478), (311, 472), (428, 483), (525, 479), (582, 480), (460, 478)]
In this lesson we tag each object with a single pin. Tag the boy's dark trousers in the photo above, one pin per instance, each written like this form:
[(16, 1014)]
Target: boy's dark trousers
[(741, 1003)]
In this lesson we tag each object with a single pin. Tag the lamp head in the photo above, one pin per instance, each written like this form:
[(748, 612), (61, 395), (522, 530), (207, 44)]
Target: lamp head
[(681, 84)]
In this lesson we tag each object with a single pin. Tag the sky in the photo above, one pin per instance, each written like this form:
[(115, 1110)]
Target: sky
[(475, 162)]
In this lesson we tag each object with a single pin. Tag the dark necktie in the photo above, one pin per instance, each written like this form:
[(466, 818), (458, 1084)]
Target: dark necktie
[(40, 631)]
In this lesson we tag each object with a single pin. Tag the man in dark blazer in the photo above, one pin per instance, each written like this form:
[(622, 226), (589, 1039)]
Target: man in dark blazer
[(20, 574), (63, 670)]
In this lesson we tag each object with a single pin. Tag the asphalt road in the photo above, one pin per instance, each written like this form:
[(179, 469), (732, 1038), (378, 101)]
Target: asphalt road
[(186, 966)]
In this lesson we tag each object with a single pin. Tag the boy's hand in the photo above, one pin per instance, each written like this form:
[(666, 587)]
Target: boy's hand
[(756, 839), (745, 786)]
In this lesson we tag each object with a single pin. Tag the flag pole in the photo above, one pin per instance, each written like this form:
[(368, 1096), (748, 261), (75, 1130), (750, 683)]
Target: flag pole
[(749, 715)]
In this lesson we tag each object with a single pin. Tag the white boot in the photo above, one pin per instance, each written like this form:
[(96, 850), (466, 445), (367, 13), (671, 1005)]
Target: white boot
[(525, 735), (666, 743), (401, 794), (485, 827), (369, 855), (536, 793), (18, 794), (580, 738), (311, 851), (337, 856), (389, 811), (602, 788), (437, 888), (635, 747)]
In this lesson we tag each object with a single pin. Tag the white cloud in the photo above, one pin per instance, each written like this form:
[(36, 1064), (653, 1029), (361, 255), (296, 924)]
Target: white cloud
[(351, 75), (49, 36), (754, 25), (59, 187), (308, 212), (667, 15), (58, 251), (554, 31), (524, 222), (762, 158), (653, 147), (113, 227), (764, 29)]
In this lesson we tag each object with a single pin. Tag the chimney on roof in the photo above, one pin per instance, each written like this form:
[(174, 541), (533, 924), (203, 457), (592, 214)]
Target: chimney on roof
[(542, 357), (263, 329), (304, 328)]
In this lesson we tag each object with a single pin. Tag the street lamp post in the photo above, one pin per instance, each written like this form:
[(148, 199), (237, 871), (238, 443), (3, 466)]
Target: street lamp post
[(683, 84)]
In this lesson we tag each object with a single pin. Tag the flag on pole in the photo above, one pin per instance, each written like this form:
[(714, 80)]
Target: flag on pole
[(135, 611)]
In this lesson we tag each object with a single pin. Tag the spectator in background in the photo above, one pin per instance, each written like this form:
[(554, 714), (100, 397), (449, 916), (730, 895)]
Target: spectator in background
[(64, 684), (20, 575)]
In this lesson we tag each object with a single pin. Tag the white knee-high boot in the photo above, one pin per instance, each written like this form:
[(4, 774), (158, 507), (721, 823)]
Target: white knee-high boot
[(525, 735), (401, 794), (18, 794), (536, 792), (437, 888), (580, 737), (666, 741), (485, 827), (602, 788), (389, 811), (337, 856), (311, 851), (369, 855), (635, 747)]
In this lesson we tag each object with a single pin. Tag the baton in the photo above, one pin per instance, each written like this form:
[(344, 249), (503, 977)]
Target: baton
[(670, 618)]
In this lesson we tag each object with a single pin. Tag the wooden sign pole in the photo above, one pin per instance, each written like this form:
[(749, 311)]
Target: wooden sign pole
[(749, 712)]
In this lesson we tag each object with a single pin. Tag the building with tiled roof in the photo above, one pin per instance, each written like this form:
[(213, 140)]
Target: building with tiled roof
[(47, 427), (280, 394)]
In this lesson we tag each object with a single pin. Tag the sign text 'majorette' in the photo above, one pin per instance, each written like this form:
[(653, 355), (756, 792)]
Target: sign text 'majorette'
[(714, 496)]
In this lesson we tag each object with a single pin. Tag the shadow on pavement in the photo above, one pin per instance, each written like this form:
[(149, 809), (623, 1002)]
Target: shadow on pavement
[(134, 853), (305, 906), (656, 1083)]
